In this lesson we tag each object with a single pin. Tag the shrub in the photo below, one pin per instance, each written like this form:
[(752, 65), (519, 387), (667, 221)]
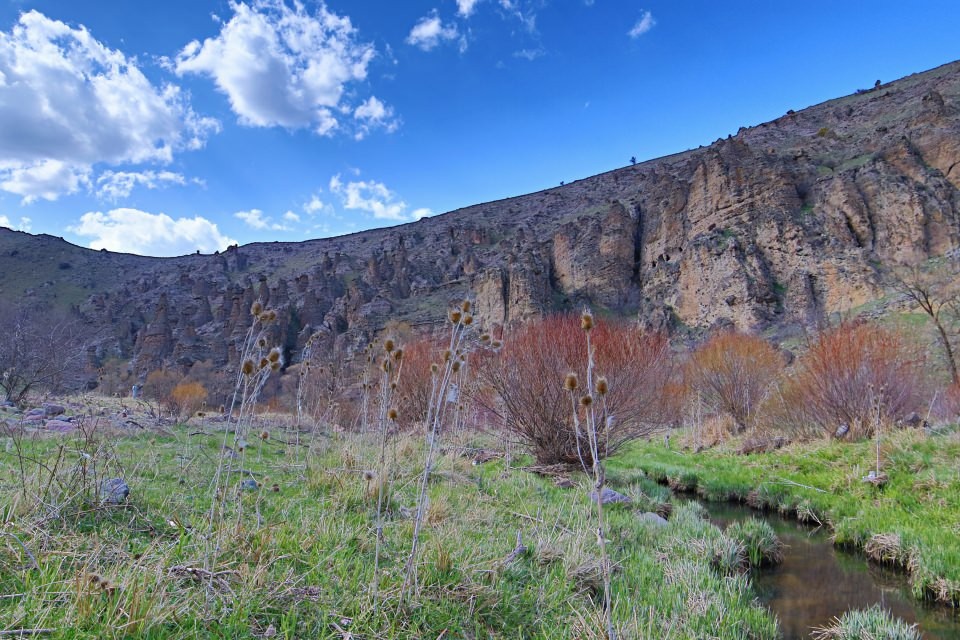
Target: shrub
[(526, 384), (848, 375), (416, 381), (187, 398), (732, 372)]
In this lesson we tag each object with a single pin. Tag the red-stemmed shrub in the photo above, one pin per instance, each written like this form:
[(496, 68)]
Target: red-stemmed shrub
[(731, 374), (852, 375), (526, 385)]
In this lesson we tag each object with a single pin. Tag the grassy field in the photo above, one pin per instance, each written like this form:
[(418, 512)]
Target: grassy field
[(911, 521), (293, 555)]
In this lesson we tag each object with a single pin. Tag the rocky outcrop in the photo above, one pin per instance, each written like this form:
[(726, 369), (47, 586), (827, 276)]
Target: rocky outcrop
[(781, 223)]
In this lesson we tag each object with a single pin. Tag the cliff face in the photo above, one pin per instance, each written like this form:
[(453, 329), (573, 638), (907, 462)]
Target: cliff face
[(778, 224)]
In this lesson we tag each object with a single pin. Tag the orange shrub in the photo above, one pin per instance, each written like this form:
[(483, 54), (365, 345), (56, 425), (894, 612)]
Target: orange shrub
[(732, 373), (187, 398), (416, 382), (526, 385), (847, 375)]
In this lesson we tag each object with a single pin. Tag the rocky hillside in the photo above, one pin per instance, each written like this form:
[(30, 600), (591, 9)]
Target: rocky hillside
[(777, 225)]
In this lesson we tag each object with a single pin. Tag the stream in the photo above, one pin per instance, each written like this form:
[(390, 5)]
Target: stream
[(817, 582)]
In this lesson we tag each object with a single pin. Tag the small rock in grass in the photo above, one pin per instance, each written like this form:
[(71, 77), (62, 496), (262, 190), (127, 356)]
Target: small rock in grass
[(249, 484), (114, 491), (609, 496), (51, 409), (63, 426), (653, 518)]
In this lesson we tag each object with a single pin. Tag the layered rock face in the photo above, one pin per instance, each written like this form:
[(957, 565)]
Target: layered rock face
[(782, 223)]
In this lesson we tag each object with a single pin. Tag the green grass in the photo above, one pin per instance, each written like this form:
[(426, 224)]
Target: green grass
[(911, 521), (298, 561)]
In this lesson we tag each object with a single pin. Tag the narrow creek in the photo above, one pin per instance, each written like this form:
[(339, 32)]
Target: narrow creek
[(816, 582)]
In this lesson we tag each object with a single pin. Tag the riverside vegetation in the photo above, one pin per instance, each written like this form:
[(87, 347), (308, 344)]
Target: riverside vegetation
[(467, 512)]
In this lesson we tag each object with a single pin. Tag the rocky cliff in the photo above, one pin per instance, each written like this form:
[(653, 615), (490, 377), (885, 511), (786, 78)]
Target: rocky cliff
[(781, 223)]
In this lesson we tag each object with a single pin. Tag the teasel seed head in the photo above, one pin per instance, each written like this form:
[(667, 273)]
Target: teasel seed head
[(434, 368), (586, 321), (570, 382), (447, 355), (467, 320), (586, 400), (455, 366), (247, 367), (393, 386), (398, 355), (484, 337), (455, 316), (392, 414), (264, 363), (274, 355), (465, 306), (602, 386), (388, 345), (256, 309), (262, 342), (496, 344)]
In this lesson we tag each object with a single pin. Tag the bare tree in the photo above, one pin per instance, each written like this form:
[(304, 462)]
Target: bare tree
[(40, 348), (937, 294)]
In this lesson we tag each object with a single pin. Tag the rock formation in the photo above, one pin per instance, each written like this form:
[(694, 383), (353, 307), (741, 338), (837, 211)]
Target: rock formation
[(779, 224)]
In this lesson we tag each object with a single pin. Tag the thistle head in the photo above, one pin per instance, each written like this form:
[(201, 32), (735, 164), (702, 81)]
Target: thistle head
[(586, 321), (602, 386)]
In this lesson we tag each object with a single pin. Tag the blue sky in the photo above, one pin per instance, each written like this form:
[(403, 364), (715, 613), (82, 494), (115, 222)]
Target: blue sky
[(165, 127)]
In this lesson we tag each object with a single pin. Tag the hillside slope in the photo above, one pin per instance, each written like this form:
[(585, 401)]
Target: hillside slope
[(779, 224)]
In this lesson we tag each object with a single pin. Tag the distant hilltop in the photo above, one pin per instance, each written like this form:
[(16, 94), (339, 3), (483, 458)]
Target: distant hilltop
[(780, 224)]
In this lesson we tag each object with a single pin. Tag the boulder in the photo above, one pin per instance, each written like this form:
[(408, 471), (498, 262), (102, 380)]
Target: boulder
[(114, 491), (653, 518), (51, 409), (63, 426), (609, 496)]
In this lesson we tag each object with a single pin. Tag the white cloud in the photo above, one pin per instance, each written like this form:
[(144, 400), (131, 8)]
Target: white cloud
[(280, 66), (47, 179), (527, 15), (529, 54), (68, 102), (644, 24), (370, 196), (373, 114), (135, 231), (113, 185), (429, 32), (290, 216), (465, 7), (422, 212), (315, 204), (256, 220), (23, 225)]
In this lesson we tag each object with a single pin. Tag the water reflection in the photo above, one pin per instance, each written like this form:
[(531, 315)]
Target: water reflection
[(816, 582)]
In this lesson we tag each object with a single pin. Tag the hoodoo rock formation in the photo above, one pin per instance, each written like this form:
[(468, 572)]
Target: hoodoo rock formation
[(781, 223)]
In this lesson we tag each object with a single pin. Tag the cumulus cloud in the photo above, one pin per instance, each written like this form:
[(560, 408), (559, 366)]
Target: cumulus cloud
[(256, 220), (290, 216), (68, 102), (370, 196), (465, 7), (374, 114), (422, 212), (149, 234), (22, 225), (282, 66), (644, 24), (113, 185), (430, 32)]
